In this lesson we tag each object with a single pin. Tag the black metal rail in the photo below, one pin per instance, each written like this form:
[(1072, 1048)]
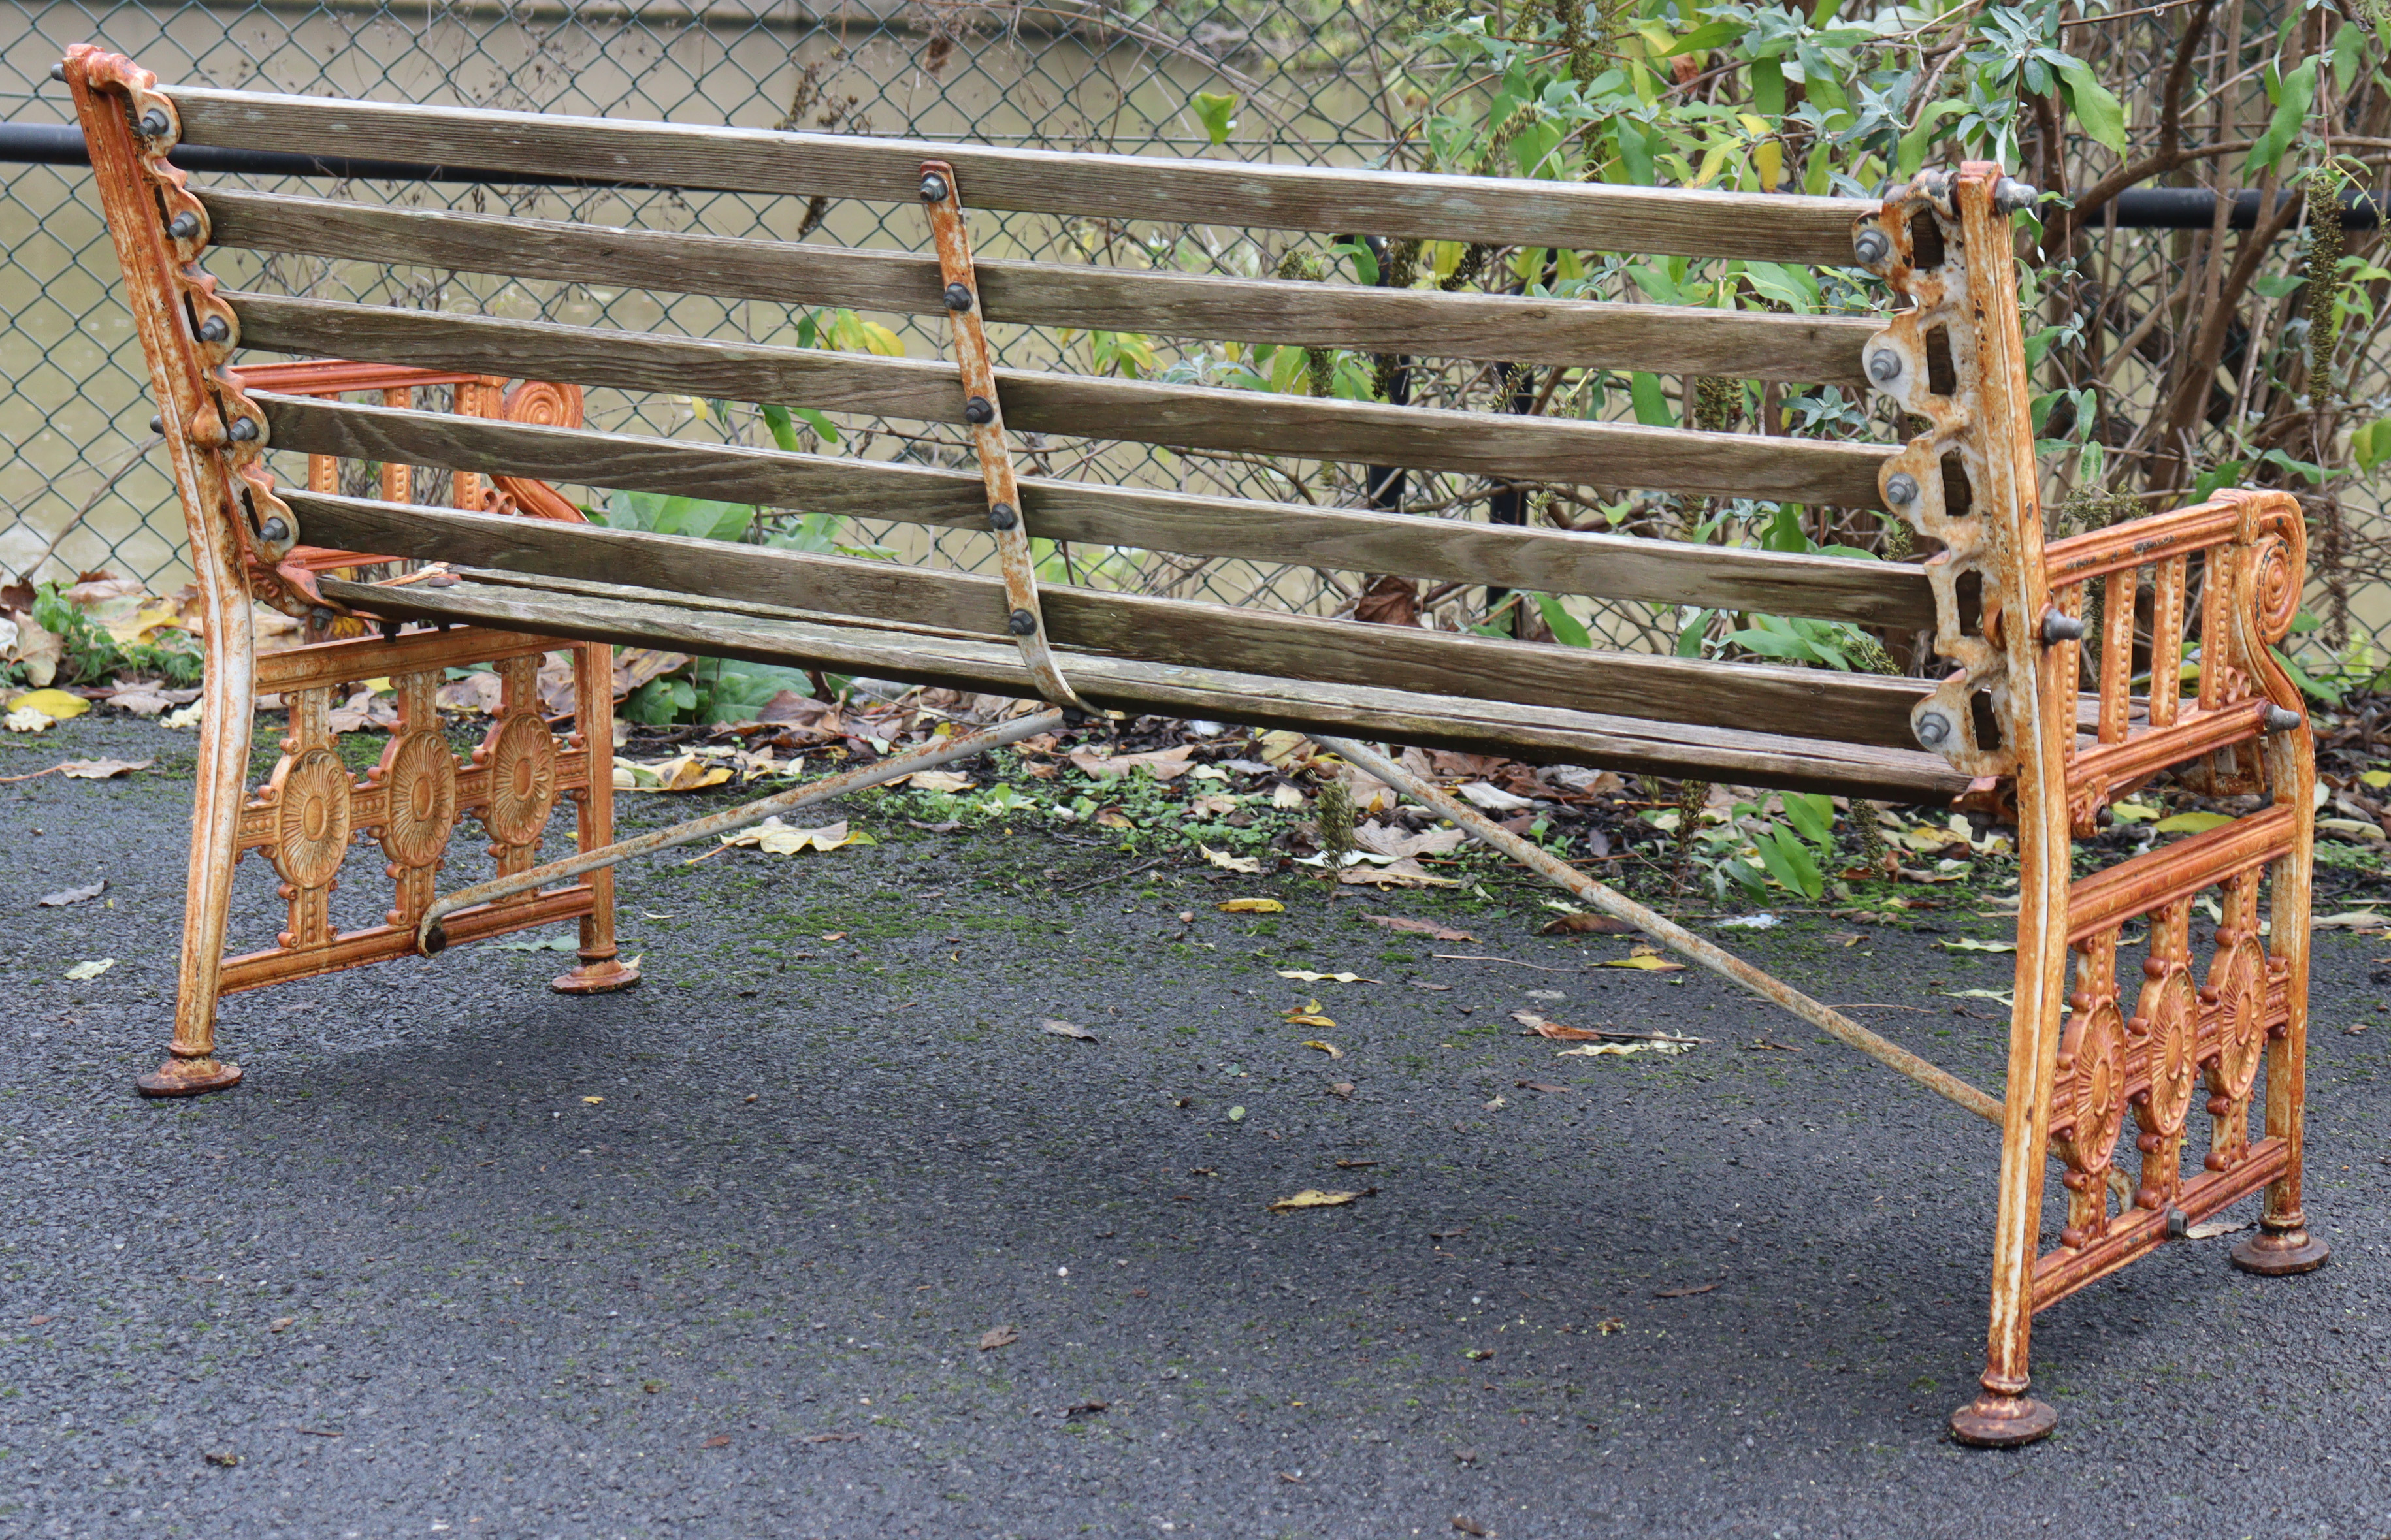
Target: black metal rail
[(61, 144)]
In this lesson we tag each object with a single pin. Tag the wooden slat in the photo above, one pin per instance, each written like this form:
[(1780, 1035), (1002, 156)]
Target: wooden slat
[(1539, 734), (1344, 539), (1811, 703), (1589, 454), (1579, 215), (1667, 338)]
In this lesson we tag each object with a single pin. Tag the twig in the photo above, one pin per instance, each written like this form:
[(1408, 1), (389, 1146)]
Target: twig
[(1110, 877)]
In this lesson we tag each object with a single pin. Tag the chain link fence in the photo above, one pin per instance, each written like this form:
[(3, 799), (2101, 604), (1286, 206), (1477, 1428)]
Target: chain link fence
[(1329, 81)]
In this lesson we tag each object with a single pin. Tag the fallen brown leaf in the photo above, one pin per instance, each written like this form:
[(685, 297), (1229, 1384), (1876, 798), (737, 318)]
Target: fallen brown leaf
[(1427, 927), (102, 769), (65, 896), (1004, 1336), (1405, 873), (1585, 925), (1307, 1015), (1681, 1294), (1084, 1408), (1468, 1525), (1545, 1086), (1354, 1165), (830, 1438), (1341, 1088), (1066, 1029), (719, 1441), (1544, 1028)]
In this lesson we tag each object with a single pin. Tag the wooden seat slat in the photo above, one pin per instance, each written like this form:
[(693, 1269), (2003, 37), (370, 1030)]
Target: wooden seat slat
[(1357, 540), (1761, 697), (1666, 338), (1579, 215), (1538, 733), (1609, 454)]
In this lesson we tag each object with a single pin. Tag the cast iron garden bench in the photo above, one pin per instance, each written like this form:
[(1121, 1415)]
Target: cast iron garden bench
[(2012, 726)]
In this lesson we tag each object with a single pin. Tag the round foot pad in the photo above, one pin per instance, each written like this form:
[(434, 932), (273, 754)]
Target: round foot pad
[(188, 1077), (604, 977), (2003, 1421), (2274, 1255)]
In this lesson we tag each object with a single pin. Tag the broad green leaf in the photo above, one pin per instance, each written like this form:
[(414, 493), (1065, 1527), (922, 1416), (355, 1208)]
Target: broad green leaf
[(2097, 108), (1563, 625), (1651, 406), (1811, 816), (1216, 112), (2292, 99)]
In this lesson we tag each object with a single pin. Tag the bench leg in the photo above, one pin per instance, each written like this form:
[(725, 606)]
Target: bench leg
[(2282, 1245), (227, 702), (2003, 1414), (600, 972)]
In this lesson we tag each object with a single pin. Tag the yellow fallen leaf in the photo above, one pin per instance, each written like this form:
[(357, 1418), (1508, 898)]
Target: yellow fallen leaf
[(2132, 813), (153, 614), (686, 773), (1251, 907), (1222, 859), (58, 705), (1286, 798), (2192, 822), (1307, 1016), (2376, 778), (775, 837), (1329, 1048), (91, 969), (1307, 976), (938, 780), (1645, 959), (593, 1100), (28, 721), (1312, 1198), (1970, 943)]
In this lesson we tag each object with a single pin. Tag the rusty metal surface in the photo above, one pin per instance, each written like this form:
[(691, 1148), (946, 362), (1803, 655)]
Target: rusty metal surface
[(1006, 522), (431, 936)]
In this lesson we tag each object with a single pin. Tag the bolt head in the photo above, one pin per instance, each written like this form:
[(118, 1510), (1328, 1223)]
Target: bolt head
[(958, 297), (1002, 517), (1901, 489), (2011, 196), (1884, 365), (1871, 246), (157, 425), (1021, 623), (2058, 626), (978, 411), (213, 329), (242, 430), (2282, 719), (184, 225), (1933, 729), (58, 71), (153, 124), (275, 531), (933, 189)]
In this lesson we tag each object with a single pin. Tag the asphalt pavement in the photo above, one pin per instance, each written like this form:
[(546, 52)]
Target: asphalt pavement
[(823, 1232)]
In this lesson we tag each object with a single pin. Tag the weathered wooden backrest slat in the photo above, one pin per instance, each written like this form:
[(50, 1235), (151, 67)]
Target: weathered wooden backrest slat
[(1592, 453), (1793, 702), (1601, 566), (1576, 215), (1667, 338)]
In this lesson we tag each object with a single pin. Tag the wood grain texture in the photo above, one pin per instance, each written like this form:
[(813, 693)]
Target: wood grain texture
[(1810, 703), (1539, 734), (1667, 338), (1608, 454), (1344, 539), (1579, 215)]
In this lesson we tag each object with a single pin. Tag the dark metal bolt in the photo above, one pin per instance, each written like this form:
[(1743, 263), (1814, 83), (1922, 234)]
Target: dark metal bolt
[(153, 124), (1884, 365), (184, 225), (2178, 1224), (977, 411), (1901, 489), (1871, 246), (1021, 623), (389, 630), (1002, 517), (958, 297), (157, 425), (1933, 729), (58, 71), (2282, 719), (275, 531), (933, 189), (213, 329), (2010, 195), (243, 431), (2058, 626)]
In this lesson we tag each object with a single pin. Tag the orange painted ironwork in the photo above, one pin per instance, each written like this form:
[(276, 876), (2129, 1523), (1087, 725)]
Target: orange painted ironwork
[(245, 546)]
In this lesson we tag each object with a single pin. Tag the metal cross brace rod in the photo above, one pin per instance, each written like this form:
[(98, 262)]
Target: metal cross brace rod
[(1893, 1055), (429, 938)]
